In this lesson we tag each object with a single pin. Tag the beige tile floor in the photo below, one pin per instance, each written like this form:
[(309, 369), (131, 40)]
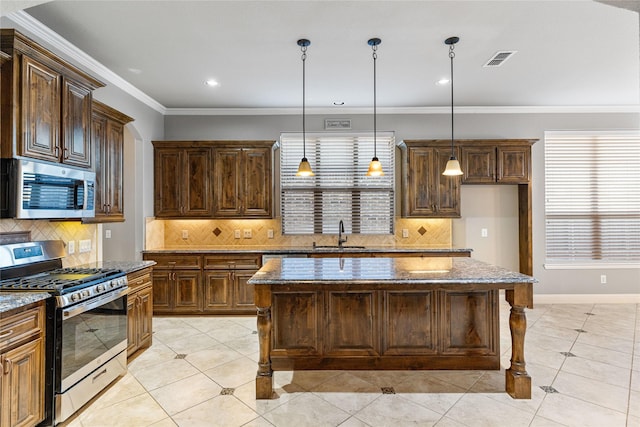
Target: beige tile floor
[(584, 360)]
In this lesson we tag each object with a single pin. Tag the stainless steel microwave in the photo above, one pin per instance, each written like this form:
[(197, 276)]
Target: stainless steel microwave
[(33, 189)]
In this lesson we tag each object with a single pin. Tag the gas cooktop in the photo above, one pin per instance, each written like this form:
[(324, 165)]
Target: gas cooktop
[(60, 280)]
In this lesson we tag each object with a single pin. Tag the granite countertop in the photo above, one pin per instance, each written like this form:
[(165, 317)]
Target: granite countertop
[(434, 270), (13, 300), (268, 250), (126, 266)]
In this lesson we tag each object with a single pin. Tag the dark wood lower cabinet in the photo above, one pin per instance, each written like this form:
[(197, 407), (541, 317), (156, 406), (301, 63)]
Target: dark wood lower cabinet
[(385, 329), (139, 312)]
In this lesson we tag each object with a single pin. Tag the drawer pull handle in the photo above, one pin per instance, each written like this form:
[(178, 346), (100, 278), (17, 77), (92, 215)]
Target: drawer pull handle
[(8, 364), (104, 371), (6, 334)]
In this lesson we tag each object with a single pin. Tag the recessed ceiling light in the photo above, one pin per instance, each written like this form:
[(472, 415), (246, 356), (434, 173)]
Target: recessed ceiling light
[(211, 83), (443, 81)]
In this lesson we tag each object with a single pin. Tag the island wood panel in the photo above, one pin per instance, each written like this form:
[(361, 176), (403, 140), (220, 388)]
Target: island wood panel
[(471, 322), (410, 324), (353, 323), (300, 336)]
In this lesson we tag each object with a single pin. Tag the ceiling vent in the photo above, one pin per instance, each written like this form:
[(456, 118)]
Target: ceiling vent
[(499, 58)]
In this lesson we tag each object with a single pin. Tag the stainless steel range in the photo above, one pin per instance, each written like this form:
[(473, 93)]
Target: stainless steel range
[(87, 331)]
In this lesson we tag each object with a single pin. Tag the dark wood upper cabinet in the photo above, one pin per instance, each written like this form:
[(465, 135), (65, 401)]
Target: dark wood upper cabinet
[(506, 161), (107, 135), (242, 180), (182, 176), (213, 179), (46, 104), (426, 192)]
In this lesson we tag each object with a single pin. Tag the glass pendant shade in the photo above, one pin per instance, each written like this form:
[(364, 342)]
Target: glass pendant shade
[(375, 168), (453, 168), (305, 168)]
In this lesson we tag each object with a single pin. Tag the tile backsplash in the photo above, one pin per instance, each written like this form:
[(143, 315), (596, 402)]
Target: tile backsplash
[(197, 233), (58, 230)]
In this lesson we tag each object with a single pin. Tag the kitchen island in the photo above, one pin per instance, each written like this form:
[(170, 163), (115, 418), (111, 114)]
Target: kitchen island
[(388, 314)]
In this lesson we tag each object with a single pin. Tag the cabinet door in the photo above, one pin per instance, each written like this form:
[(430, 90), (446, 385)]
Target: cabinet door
[(76, 128), (217, 290), (162, 290), (478, 165), (419, 198), (101, 162), (469, 322), (196, 192), (227, 192), (132, 323), (23, 385), (447, 188), (186, 291), (243, 293), (257, 182), (40, 111), (113, 153), (513, 164), (168, 182), (145, 316)]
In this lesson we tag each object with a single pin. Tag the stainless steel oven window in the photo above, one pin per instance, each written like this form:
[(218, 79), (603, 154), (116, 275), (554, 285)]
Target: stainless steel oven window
[(92, 333)]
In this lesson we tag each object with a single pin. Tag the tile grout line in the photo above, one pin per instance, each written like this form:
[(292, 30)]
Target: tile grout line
[(633, 353)]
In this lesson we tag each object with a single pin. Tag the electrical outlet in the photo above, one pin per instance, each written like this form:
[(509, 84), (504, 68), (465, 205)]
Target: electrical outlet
[(603, 279), (247, 233), (185, 234), (107, 234), (71, 247), (405, 233), (270, 233), (484, 232), (85, 246), (236, 234)]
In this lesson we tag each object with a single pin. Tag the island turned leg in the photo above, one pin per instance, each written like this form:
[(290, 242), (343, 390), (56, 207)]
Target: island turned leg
[(518, 381), (264, 377)]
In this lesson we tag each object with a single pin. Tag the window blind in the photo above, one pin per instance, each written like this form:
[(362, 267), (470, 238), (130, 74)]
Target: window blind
[(592, 197), (340, 189)]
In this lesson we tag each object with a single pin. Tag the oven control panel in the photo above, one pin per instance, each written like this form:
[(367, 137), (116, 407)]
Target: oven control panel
[(91, 291)]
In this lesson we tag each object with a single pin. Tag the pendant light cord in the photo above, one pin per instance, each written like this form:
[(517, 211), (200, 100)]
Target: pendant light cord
[(303, 48), (451, 56), (375, 57)]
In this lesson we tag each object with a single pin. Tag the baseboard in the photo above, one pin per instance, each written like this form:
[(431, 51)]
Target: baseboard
[(586, 299)]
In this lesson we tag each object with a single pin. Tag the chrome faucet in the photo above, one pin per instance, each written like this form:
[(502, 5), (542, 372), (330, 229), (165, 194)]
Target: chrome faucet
[(340, 231)]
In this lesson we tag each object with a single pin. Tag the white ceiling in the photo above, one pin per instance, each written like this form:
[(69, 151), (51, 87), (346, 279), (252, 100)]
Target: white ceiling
[(569, 53)]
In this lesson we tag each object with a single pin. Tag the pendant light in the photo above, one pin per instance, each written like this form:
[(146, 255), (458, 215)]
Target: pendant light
[(305, 168), (453, 165), (375, 167)]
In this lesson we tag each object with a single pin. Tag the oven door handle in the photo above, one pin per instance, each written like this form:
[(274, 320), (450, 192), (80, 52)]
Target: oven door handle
[(91, 304)]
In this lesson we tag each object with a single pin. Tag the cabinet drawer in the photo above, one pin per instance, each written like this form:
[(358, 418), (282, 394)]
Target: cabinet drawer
[(21, 326), (232, 262), (139, 279), (175, 261)]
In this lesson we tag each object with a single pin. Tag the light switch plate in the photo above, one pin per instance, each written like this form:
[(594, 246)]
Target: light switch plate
[(71, 247), (405, 233), (185, 234), (236, 234), (107, 234), (270, 233), (247, 233)]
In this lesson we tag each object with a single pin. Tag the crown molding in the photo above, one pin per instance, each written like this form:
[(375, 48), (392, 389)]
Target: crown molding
[(577, 109), (71, 51)]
